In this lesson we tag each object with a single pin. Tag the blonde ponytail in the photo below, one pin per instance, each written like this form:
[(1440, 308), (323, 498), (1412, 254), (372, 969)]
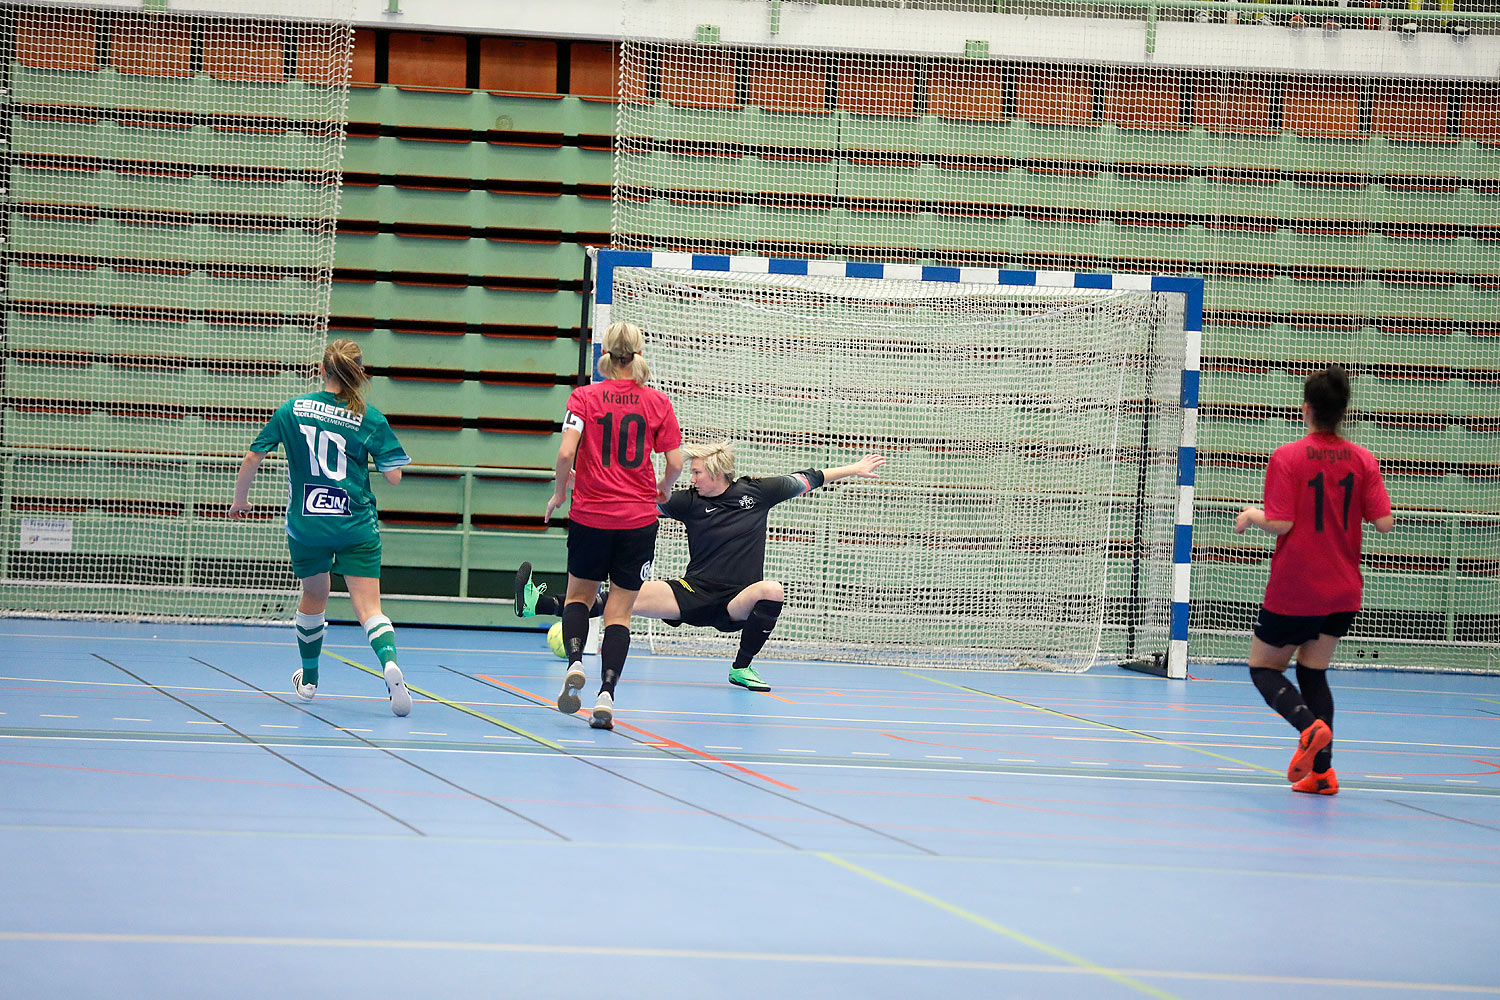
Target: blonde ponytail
[(342, 363), (623, 344)]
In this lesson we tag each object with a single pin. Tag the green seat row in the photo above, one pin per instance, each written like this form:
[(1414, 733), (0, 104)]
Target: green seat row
[(566, 213), (1017, 138), (1457, 397), (103, 334), (101, 382), (187, 435), (472, 446), (1455, 443), (104, 286), (444, 494), (1370, 298), (479, 111), (196, 480), (115, 190), (470, 352), (1277, 342), (1106, 188), (545, 550), (201, 93), (478, 160), (198, 145), (478, 257), (469, 398), (1447, 491), (200, 242), (1193, 245), (384, 300)]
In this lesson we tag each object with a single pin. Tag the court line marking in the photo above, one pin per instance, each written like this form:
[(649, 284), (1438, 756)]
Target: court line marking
[(797, 958), (1298, 873), (455, 705), (781, 720), (1103, 725), (667, 750), (1078, 962), (661, 741), (252, 741), (905, 766), (1456, 819), (535, 700), (516, 813)]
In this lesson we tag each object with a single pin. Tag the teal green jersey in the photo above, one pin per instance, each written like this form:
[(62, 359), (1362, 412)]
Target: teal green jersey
[(328, 450)]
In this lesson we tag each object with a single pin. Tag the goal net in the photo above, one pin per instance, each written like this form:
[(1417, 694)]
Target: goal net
[(171, 193), (1026, 511)]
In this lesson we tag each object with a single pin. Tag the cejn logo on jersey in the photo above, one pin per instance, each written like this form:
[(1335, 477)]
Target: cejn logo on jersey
[(324, 501)]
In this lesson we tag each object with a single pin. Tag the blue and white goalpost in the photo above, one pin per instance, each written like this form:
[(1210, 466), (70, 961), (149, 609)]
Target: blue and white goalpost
[(1036, 505)]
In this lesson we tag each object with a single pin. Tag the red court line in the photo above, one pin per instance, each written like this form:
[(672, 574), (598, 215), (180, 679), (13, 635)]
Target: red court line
[(658, 739), (522, 691), (706, 756)]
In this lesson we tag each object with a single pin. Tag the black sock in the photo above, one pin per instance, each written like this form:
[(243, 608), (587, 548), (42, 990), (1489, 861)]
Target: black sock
[(575, 623), (1314, 685), (612, 649), (1282, 696), (756, 631), (553, 606)]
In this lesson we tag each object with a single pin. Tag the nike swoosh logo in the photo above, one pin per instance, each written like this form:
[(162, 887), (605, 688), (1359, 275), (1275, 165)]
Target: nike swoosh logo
[(709, 510)]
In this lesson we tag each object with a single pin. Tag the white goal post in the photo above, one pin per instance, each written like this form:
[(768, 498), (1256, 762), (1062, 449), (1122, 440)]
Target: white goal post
[(1036, 505)]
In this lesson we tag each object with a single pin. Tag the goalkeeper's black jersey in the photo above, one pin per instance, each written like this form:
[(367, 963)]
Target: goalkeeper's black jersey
[(727, 533)]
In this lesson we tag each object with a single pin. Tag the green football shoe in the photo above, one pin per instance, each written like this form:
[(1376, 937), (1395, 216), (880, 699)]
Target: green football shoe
[(746, 677), (527, 592)]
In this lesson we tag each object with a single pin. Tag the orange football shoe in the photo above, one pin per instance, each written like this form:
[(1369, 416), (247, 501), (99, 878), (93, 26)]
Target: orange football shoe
[(1314, 738), (1319, 783)]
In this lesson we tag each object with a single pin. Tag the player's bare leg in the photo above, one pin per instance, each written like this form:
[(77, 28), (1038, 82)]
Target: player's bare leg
[(758, 606), (656, 600)]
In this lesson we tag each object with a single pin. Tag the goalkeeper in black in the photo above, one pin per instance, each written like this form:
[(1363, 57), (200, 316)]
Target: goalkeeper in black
[(724, 585)]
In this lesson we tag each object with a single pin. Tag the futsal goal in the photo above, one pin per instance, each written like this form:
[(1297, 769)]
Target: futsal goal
[(1035, 507)]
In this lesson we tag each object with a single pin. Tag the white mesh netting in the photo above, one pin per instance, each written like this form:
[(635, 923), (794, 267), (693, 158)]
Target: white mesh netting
[(171, 192)]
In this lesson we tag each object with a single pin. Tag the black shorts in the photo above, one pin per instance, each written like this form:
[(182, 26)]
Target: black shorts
[(1293, 630), (704, 604), (620, 555)]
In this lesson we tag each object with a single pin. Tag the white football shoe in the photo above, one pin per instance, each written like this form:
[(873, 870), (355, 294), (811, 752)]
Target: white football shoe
[(396, 685)]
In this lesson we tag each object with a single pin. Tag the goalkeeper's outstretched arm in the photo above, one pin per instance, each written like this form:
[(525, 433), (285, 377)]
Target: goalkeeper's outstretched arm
[(866, 468)]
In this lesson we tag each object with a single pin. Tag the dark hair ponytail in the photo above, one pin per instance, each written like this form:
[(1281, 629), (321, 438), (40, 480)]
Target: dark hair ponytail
[(1327, 392)]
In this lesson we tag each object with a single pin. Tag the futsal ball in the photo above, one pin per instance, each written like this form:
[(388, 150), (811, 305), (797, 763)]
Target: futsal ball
[(554, 639)]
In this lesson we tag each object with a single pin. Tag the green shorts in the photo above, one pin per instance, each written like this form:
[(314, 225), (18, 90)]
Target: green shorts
[(360, 559)]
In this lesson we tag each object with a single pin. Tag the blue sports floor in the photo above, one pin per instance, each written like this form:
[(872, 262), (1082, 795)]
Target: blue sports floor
[(173, 823)]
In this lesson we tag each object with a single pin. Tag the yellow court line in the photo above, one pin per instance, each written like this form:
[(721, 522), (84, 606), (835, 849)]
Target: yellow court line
[(1076, 961), (455, 705), (1093, 722)]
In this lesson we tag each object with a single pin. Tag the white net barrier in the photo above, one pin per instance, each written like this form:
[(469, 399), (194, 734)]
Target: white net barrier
[(171, 189), (1341, 205), (1006, 528)]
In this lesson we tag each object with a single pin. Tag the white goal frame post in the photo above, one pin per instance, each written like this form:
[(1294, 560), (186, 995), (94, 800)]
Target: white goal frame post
[(604, 262)]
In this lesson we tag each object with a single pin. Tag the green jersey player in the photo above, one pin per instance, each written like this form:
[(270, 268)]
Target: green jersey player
[(331, 520)]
